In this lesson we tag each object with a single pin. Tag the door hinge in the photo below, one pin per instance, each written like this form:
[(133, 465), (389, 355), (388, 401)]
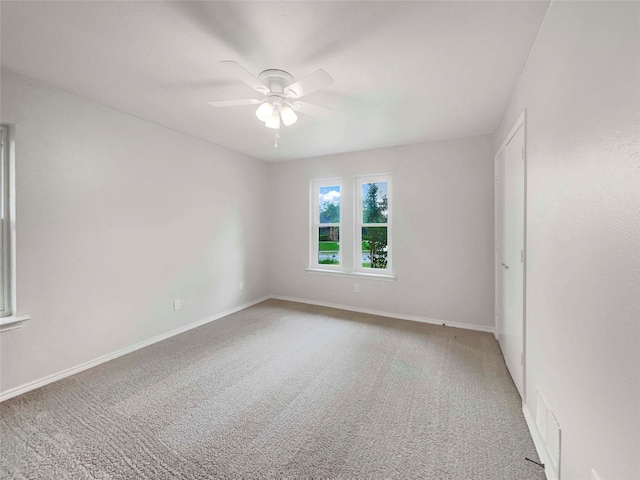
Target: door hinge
[(522, 256), (496, 180), (522, 358)]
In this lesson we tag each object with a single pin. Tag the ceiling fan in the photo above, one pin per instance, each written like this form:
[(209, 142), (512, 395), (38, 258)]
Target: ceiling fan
[(281, 94)]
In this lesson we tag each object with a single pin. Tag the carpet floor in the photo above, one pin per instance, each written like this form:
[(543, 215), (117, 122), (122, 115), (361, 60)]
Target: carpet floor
[(281, 389)]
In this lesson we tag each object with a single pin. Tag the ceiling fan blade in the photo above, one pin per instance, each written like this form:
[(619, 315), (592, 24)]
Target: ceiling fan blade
[(309, 84), (232, 103), (240, 72), (313, 110)]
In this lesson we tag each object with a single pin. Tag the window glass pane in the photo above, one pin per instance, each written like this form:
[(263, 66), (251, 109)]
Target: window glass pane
[(374, 247), (374, 202), (329, 204), (329, 245), (4, 252)]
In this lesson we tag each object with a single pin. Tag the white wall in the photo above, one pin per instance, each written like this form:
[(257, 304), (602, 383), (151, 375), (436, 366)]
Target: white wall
[(117, 217), (443, 230), (580, 88)]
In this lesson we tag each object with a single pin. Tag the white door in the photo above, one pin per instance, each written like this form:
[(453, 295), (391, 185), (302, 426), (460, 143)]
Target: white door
[(511, 325), (499, 207)]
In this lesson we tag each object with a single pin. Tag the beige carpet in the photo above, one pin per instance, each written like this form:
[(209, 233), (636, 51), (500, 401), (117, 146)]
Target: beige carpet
[(281, 390)]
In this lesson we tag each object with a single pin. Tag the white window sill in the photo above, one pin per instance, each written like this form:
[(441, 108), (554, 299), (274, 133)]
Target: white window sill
[(12, 322), (385, 277)]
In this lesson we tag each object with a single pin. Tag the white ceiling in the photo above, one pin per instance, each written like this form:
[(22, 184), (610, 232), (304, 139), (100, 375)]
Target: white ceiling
[(405, 72)]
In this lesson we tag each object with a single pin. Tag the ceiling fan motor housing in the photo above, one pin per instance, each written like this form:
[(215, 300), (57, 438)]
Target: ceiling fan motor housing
[(277, 81)]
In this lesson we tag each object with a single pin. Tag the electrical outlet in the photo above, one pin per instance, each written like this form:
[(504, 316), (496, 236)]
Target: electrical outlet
[(356, 287), (240, 285), (176, 305), (594, 475)]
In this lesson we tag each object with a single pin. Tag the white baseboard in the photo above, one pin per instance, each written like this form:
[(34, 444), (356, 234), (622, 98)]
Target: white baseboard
[(539, 444), (379, 313), (13, 392)]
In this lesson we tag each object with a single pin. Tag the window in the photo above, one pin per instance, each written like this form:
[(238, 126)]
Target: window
[(9, 320), (373, 231), (326, 222), (5, 228), (364, 248)]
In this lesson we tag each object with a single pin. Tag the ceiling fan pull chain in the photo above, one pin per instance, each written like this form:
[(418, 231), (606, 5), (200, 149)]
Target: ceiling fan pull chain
[(275, 145)]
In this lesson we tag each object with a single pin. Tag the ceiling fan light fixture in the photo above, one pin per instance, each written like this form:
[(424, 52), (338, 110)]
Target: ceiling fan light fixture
[(274, 120), (265, 111), (289, 117)]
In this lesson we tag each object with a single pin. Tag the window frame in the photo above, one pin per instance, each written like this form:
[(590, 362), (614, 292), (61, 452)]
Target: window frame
[(359, 224), (10, 319), (315, 225)]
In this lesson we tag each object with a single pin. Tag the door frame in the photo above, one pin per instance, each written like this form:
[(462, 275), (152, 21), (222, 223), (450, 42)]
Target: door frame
[(498, 209)]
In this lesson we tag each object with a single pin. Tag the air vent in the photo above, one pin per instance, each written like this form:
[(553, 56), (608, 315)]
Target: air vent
[(549, 432)]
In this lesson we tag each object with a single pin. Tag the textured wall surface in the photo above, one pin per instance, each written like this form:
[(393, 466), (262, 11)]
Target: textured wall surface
[(117, 217), (442, 230), (580, 89)]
